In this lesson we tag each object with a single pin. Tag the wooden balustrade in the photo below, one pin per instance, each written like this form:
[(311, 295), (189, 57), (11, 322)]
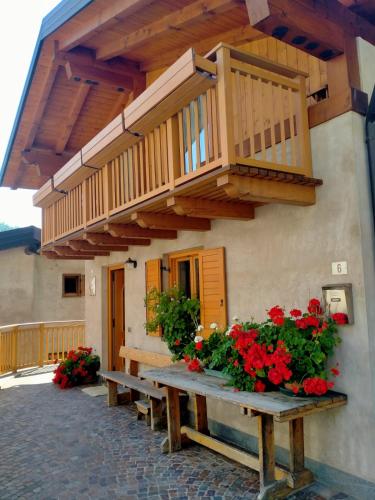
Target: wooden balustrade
[(37, 344), (255, 114)]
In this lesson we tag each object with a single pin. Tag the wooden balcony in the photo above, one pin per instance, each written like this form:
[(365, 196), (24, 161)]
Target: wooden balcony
[(212, 137)]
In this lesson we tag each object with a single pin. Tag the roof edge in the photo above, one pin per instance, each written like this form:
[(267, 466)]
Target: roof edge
[(58, 16)]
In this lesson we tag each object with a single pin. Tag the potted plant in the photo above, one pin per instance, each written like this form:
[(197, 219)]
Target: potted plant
[(80, 367), (177, 315)]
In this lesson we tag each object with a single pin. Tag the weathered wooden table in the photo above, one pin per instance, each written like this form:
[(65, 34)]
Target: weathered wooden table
[(275, 481)]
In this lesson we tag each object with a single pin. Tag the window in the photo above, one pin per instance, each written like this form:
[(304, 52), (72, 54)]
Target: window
[(73, 285), (201, 274)]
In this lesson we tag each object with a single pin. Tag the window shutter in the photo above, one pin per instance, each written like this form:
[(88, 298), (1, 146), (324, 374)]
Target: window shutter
[(212, 286), (153, 280)]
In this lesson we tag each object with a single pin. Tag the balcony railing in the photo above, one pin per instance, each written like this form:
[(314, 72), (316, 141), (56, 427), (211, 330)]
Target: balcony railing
[(37, 344), (251, 112)]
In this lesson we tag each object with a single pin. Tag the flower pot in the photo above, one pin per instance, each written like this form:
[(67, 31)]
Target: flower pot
[(289, 392)]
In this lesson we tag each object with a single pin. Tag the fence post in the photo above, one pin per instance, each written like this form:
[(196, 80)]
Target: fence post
[(41, 344), (15, 349)]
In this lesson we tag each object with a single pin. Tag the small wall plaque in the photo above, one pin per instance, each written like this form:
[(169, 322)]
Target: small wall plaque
[(339, 268)]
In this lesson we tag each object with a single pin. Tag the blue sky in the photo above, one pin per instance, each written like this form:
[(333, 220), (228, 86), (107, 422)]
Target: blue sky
[(20, 21)]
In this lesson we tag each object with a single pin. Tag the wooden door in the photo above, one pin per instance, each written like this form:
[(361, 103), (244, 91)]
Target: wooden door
[(117, 317)]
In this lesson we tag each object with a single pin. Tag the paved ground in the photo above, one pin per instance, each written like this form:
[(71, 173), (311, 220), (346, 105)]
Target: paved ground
[(67, 445)]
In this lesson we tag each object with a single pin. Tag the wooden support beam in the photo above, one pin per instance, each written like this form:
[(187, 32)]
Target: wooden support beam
[(315, 26), (86, 248), (265, 191), (102, 19), (65, 129), (41, 104), (54, 256), (233, 37), (133, 231), (46, 160), (67, 251), (163, 221), (97, 76), (177, 20), (199, 207), (119, 105), (107, 239)]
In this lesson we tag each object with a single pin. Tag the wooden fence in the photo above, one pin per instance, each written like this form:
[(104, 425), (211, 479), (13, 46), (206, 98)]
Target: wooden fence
[(38, 344)]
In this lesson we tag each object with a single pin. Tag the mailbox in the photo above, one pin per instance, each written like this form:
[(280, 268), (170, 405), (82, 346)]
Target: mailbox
[(339, 298)]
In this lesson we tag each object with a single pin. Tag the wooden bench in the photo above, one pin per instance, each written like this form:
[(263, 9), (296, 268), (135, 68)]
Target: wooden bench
[(153, 408), (275, 481)]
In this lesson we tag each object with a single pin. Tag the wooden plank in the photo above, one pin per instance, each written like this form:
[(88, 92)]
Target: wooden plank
[(225, 105), (200, 414), (145, 357), (176, 20), (107, 239), (166, 221), (282, 407), (266, 450), (296, 441), (210, 209), (65, 129), (134, 231), (134, 383)]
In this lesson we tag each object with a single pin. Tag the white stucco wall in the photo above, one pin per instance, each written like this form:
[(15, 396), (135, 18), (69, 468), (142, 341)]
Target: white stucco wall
[(284, 257), (31, 288)]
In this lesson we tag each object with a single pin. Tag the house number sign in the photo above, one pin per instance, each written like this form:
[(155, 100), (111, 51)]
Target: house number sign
[(339, 268)]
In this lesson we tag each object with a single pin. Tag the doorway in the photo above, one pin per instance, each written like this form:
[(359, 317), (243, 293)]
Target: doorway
[(116, 316)]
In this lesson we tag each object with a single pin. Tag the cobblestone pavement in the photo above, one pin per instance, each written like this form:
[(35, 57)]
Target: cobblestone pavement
[(59, 444)]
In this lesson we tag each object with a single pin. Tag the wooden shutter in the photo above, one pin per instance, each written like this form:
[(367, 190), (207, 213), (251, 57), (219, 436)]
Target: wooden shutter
[(212, 286), (153, 280)]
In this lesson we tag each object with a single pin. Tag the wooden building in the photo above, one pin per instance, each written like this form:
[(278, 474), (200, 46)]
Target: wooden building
[(222, 141)]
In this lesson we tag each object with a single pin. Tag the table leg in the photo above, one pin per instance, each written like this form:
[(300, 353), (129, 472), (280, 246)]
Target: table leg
[(174, 419), (299, 476), (269, 487), (200, 413), (112, 393)]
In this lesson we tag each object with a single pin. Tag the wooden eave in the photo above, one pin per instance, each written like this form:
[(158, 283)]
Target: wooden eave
[(60, 115)]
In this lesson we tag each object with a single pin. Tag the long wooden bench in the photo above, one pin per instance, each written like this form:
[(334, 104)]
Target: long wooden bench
[(137, 385)]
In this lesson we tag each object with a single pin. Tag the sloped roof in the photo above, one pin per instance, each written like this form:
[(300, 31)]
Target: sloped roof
[(22, 236)]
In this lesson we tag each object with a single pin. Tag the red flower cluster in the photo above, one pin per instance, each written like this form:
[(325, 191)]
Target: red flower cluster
[(78, 367), (195, 366), (303, 323), (316, 386), (277, 315), (296, 313), (199, 345), (314, 307), (340, 318), (258, 356)]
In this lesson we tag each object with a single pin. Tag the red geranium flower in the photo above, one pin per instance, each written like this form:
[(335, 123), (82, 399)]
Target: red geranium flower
[(275, 311), (186, 358), (275, 376), (340, 318), (177, 342), (314, 307), (317, 386), (235, 362), (278, 320), (312, 321), (335, 372), (195, 366), (199, 345), (259, 386), (296, 313)]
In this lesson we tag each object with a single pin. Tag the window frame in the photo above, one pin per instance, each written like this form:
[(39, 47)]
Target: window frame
[(80, 285)]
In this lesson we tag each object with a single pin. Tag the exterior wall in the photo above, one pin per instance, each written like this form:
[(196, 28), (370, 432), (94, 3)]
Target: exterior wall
[(284, 257), (31, 288)]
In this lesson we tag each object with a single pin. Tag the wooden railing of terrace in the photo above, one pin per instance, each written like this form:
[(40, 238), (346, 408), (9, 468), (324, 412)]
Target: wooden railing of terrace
[(251, 113), (37, 344)]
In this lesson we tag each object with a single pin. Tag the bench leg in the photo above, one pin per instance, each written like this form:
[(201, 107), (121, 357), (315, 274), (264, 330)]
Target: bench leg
[(174, 419), (156, 414), (112, 393)]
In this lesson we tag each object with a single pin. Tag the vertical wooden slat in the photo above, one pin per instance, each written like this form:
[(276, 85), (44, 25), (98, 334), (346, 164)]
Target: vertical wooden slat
[(142, 166), (188, 139), (215, 127), (152, 160), (126, 175), (280, 102), (292, 128), (175, 167), (205, 126), (225, 105), (250, 113), (131, 173), (147, 163), (136, 170), (164, 153), (196, 132), (260, 101), (181, 142), (304, 130), (272, 121), (158, 156)]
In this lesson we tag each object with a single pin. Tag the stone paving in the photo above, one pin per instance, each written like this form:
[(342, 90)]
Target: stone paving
[(59, 444)]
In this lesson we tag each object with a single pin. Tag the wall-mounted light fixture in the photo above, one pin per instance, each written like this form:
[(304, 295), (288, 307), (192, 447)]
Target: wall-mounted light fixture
[(130, 264)]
